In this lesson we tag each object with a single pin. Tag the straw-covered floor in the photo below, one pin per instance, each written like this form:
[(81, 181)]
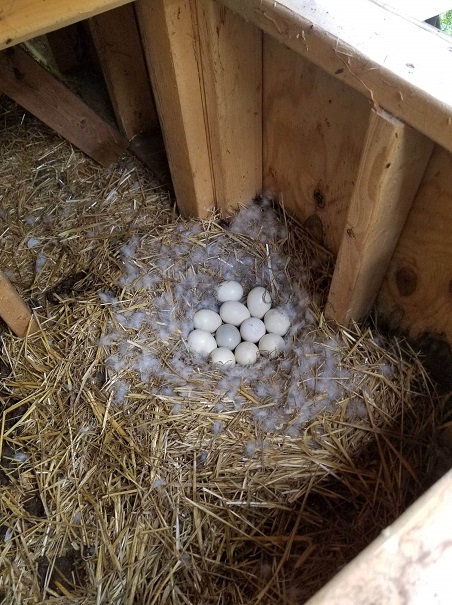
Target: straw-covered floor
[(134, 473)]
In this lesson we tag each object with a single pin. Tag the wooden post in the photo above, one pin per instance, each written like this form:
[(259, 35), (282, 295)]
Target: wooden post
[(13, 310), (116, 38), (205, 66), (392, 164)]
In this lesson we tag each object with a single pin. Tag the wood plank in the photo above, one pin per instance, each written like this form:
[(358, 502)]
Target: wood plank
[(13, 310), (314, 128), (400, 66), (170, 43), (409, 563), (32, 87), (416, 295), (391, 168), (21, 20), (205, 67), (117, 41), (231, 57)]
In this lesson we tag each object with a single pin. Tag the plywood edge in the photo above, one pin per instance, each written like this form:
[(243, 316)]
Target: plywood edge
[(409, 562), (21, 20), (377, 52)]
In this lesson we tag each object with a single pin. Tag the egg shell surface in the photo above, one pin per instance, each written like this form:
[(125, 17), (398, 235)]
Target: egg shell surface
[(229, 290), (228, 336), (233, 312), (277, 321), (223, 356), (258, 302), (205, 319), (252, 329), (271, 345), (246, 353), (201, 342)]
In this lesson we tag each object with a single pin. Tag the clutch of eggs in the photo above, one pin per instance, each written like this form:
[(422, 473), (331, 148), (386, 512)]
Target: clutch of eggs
[(240, 332)]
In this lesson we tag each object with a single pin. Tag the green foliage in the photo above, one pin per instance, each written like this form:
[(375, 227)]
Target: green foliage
[(446, 22)]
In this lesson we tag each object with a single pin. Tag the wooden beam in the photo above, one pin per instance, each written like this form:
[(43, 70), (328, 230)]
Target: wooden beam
[(13, 310), (117, 41), (409, 563), (231, 59), (397, 64), (392, 164), (21, 20), (205, 66), (32, 87)]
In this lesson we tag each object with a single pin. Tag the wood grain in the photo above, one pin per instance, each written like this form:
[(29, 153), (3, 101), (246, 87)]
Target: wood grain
[(409, 563), (116, 38), (392, 165), (13, 310), (314, 127), (171, 47), (205, 65), (416, 295), (32, 87), (397, 64), (231, 57), (21, 20)]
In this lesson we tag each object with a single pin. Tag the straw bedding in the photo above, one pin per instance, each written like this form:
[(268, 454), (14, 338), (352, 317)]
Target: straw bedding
[(135, 473)]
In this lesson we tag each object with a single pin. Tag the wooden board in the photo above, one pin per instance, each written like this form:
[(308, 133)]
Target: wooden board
[(116, 38), (392, 165), (13, 309), (409, 563), (231, 59), (32, 87), (205, 69), (314, 127), (397, 64), (172, 53), (21, 20), (416, 295)]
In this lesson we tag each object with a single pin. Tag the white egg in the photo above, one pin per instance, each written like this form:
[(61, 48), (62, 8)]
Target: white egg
[(233, 312), (252, 329), (259, 302), (277, 321), (222, 356), (205, 319), (271, 345), (228, 336), (229, 290), (246, 353), (201, 342)]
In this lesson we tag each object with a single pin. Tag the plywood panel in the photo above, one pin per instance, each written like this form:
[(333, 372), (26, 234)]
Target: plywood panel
[(400, 65), (416, 295), (391, 167), (314, 129), (231, 56)]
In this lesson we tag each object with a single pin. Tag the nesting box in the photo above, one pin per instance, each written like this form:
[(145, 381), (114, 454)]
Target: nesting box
[(343, 116)]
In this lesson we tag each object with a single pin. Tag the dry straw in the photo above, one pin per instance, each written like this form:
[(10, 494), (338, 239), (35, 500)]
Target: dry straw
[(146, 502)]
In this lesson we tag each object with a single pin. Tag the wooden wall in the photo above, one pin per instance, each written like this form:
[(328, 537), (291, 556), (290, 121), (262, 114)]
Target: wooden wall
[(313, 131)]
